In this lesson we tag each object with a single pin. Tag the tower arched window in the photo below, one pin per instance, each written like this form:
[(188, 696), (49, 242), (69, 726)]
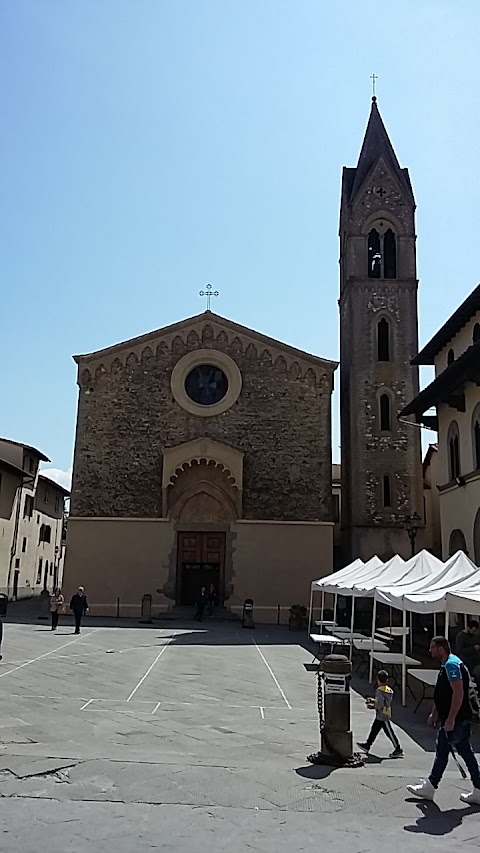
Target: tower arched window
[(387, 491), (374, 254), (383, 340), (476, 333), (382, 252), (476, 437), (389, 254), (385, 413), (453, 445), (450, 357)]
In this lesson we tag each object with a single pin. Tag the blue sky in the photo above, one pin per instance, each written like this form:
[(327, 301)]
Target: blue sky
[(149, 147)]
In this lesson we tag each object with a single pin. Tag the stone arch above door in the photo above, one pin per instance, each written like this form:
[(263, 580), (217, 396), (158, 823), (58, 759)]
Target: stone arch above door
[(195, 465)]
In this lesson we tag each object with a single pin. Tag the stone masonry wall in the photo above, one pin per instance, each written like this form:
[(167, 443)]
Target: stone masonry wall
[(127, 415)]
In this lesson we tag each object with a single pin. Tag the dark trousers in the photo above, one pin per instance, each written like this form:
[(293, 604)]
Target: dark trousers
[(460, 740), (199, 613), (55, 615), (78, 621), (387, 727)]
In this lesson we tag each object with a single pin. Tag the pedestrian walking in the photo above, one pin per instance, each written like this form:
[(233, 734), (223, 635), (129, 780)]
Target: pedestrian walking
[(452, 713), (382, 704), (57, 603), (201, 604), (79, 606)]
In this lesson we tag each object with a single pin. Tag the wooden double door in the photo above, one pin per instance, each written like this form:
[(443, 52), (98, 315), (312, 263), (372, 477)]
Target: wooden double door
[(200, 562)]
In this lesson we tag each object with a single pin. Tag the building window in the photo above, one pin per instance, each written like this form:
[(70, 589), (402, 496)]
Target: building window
[(31, 464), (46, 495), (374, 254), (17, 562), (453, 444), (456, 543), (476, 437), (336, 508), (476, 333), (387, 491), (57, 503), (382, 254), (383, 340), (28, 507), (385, 413), (450, 357), (24, 544), (45, 533), (390, 254), (39, 571)]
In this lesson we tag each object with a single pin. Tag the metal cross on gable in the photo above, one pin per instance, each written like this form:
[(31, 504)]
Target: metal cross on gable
[(208, 292)]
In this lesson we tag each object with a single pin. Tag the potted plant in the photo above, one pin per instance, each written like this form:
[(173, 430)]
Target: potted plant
[(298, 617)]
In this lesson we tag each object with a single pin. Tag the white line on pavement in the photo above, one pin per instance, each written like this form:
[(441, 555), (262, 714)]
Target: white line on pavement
[(157, 706), (262, 713), (287, 703), (87, 704), (51, 652), (132, 694)]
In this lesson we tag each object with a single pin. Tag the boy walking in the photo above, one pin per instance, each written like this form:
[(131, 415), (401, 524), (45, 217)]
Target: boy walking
[(382, 704)]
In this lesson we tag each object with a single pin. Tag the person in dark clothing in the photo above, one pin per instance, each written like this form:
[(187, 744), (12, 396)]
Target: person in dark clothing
[(452, 713), (79, 606), (201, 604), (468, 648), (211, 599)]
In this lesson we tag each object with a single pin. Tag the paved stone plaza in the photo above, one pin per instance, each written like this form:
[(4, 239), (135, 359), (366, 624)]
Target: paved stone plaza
[(186, 737)]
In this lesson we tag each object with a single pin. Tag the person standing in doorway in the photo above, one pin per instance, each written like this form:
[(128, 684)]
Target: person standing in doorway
[(79, 606), (57, 603), (452, 713), (211, 599), (201, 604)]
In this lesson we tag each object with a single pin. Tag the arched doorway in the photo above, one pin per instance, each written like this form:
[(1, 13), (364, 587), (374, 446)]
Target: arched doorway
[(202, 499), (476, 538), (457, 542)]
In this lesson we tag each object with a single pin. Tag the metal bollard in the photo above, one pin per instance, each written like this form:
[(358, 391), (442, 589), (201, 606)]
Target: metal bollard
[(334, 707), (247, 615), (146, 609)]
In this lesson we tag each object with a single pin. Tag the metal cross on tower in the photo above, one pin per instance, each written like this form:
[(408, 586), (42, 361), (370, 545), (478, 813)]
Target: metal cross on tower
[(374, 79), (208, 292)]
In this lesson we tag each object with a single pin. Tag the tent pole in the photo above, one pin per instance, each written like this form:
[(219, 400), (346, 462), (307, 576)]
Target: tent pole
[(322, 611), (374, 620), (411, 631), (310, 612), (447, 623), (434, 624), (335, 610), (404, 666), (352, 623)]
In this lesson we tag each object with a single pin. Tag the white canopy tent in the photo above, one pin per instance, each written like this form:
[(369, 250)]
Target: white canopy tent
[(338, 582), (426, 589)]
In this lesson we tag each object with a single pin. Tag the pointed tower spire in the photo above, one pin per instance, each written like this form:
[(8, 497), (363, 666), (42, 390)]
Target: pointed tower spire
[(376, 144)]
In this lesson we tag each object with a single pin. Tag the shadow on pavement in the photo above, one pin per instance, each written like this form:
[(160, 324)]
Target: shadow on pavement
[(434, 821)]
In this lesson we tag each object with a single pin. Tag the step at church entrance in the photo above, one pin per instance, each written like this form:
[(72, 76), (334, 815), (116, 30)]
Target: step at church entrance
[(200, 562)]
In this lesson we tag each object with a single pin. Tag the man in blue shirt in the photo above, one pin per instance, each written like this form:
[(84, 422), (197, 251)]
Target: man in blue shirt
[(452, 713)]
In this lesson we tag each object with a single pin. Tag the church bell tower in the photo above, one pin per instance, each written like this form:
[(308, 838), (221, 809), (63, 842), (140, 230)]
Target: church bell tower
[(381, 457)]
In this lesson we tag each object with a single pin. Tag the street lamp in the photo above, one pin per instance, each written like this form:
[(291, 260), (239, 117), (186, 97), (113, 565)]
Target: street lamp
[(412, 524)]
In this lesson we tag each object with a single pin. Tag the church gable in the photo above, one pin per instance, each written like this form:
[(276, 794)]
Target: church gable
[(207, 330), (382, 193)]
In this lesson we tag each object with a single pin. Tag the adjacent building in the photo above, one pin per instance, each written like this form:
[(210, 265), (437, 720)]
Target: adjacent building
[(454, 397), (32, 509)]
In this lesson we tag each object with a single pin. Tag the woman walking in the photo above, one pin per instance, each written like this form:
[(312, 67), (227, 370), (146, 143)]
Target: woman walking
[(57, 602)]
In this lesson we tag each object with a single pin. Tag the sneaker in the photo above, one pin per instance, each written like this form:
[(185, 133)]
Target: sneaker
[(364, 747), (397, 753), (473, 797), (424, 790)]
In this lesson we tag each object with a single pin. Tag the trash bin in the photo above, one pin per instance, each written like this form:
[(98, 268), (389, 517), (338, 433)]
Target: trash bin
[(247, 615), (146, 609), (3, 604)]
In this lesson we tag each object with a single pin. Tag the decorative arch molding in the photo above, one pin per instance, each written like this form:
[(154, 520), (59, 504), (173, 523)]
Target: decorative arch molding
[(208, 502), (177, 459), (212, 335), (382, 221)]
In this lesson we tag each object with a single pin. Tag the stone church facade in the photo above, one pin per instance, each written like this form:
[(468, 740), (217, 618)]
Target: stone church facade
[(203, 450), (203, 455)]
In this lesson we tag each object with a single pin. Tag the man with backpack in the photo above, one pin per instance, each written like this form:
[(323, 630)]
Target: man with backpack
[(452, 713)]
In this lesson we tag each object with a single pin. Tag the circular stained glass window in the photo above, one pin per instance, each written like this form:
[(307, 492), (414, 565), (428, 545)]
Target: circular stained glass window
[(206, 384)]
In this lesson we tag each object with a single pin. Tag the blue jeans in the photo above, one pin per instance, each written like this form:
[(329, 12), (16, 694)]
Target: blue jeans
[(460, 740)]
